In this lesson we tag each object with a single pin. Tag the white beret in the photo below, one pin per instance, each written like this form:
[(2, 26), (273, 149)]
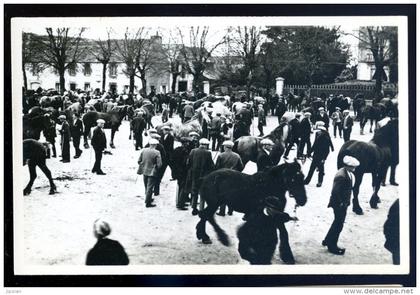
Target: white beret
[(166, 127), (100, 121), (267, 141), (204, 141), (322, 128), (152, 130), (153, 141), (228, 143), (338, 108), (319, 123), (320, 108), (155, 136), (62, 117), (101, 228), (346, 111), (193, 133), (307, 114), (351, 161)]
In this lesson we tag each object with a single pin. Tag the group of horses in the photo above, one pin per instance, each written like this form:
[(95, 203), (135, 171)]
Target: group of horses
[(248, 193)]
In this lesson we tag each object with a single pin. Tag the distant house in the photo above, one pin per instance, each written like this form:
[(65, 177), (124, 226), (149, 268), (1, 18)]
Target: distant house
[(87, 73)]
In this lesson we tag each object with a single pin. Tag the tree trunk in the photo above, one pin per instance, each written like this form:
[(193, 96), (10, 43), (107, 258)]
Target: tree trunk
[(62, 81), (173, 86), (144, 84), (131, 83), (25, 79), (103, 76)]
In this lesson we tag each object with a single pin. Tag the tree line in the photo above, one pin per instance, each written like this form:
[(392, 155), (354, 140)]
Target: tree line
[(252, 56)]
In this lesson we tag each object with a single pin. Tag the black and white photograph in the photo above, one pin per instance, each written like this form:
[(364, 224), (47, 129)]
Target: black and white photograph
[(210, 145)]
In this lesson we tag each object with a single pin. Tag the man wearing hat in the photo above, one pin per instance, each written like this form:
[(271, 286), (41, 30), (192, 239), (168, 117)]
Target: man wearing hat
[(65, 139), (229, 160), (76, 133), (137, 126), (188, 112), (293, 135), (200, 164), (337, 118), (164, 159), (323, 116), (339, 201), (320, 150), (180, 171), (347, 125), (214, 131), (150, 162), (261, 120), (98, 143), (167, 141), (195, 137), (264, 160), (305, 135), (50, 133)]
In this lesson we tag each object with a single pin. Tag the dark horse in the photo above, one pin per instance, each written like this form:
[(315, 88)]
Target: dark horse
[(249, 146), (374, 157), (112, 120), (34, 122), (375, 113), (35, 153), (244, 193)]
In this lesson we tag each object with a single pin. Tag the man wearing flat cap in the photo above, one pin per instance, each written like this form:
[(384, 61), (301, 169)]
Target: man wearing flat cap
[(293, 138), (76, 132), (305, 135), (323, 116), (320, 150), (339, 201), (228, 160), (200, 164), (180, 171), (347, 125), (65, 139), (164, 158), (98, 143), (167, 141), (337, 119), (264, 160), (149, 163)]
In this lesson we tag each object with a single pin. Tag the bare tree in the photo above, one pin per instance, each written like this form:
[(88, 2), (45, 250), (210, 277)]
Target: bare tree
[(103, 51), (172, 52), (248, 40), (149, 57), (197, 54), (61, 51), (30, 55)]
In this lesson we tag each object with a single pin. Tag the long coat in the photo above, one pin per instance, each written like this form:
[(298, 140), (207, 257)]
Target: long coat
[(149, 162), (230, 160), (98, 140), (76, 129), (199, 164), (322, 145), (341, 191), (179, 163), (305, 128), (167, 142)]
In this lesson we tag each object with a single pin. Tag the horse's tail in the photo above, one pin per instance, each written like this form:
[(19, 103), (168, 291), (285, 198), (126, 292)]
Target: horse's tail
[(221, 235), (344, 151)]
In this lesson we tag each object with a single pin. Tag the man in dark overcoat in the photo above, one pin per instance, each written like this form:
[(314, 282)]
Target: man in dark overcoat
[(305, 135), (347, 125), (323, 116), (76, 132), (65, 139), (164, 158), (200, 164), (320, 150), (98, 143), (339, 201), (264, 160), (50, 133), (167, 141), (281, 109), (179, 171), (294, 134), (137, 125)]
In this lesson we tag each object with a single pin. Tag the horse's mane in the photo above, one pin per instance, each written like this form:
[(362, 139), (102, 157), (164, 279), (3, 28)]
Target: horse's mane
[(276, 134), (385, 135)]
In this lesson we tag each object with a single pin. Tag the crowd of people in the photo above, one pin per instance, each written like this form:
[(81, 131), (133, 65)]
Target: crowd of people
[(192, 160)]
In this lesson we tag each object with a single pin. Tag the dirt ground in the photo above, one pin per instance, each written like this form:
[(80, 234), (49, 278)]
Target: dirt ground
[(58, 229)]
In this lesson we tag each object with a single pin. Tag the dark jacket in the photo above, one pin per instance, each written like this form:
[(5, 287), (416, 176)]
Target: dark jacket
[(264, 161), (305, 128), (138, 124), (261, 117), (324, 119), (322, 145), (294, 130), (341, 191), (65, 131), (107, 252), (167, 142), (76, 129), (98, 140), (179, 163), (392, 228), (215, 125), (347, 122), (229, 160), (199, 164)]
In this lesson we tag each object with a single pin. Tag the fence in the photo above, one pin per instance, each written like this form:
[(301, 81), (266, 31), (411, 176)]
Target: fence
[(368, 91)]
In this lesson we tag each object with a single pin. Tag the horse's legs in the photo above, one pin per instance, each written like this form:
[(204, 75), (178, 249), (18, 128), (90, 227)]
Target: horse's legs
[(356, 206), (32, 173), (362, 125), (371, 124), (221, 235), (376, 183), (285, 252), (111, 144), (47, 172), (85, 134)]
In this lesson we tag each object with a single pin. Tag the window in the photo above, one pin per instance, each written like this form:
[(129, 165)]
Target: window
[(87, 86), (113, 87), (113, 70), (87, 70), (72, 69), (73, 86), (57, 86)]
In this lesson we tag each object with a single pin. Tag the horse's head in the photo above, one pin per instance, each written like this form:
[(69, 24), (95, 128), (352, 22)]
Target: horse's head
[(290, 177)]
